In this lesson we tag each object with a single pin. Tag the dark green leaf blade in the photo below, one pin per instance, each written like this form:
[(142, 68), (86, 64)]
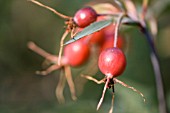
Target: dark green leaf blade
[(94, 27)]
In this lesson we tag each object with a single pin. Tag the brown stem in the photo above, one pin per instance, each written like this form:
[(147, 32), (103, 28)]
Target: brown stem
[(61, 46), (93, 79), (132, 88), (112, 104), (48, 70), (70, 82), (131, 10), (117, 29), (105, 14), (32, 46), (60, 88), (144, 8), (51, 9)]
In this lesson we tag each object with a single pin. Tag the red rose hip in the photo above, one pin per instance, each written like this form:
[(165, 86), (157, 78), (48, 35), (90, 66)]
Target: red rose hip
[(112, 62), (85, 17), (76, 53)]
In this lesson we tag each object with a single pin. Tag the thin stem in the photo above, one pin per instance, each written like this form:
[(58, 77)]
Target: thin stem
[(154, 57), (120, 5), (131, 9), (70, 82), (104, 91), (158, 75), (149, 38), (117, 29), (112, 103), (132, 88), (48, 70), (144, 8), (51, 9), (73, 33), (93, 79), (159, 84), (105, 14), (32, 46), (61, 46), (60, 88)]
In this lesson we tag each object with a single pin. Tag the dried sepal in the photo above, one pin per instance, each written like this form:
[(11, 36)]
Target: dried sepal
[(130, 87), (60, 88)]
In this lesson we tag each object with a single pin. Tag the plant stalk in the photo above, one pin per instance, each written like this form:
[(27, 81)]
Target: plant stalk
[(158, 75)]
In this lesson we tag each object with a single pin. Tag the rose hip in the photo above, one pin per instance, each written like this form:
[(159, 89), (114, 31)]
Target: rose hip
[(76, 53), (112, 62), (85, 17)]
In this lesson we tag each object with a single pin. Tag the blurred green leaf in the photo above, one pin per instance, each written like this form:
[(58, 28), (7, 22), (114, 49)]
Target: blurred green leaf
[(96, 26)]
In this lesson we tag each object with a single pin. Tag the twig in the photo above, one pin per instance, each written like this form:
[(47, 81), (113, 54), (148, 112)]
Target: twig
[(157, 72), (117, 29), (60, 88), (104, 91), (112, 103), (144, 8), (93, 79), (32, 46), (105, 14), (70, 82), (131, 9), (132, 88), (51, 9), (61, 46), (48, 70)]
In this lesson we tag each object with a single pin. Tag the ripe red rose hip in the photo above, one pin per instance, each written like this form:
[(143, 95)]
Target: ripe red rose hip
[(96, 37), (76, 53), (112, 62), (85, 17)]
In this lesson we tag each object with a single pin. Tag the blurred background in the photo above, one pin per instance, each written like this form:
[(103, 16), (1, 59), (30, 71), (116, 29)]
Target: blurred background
[(22, 91)]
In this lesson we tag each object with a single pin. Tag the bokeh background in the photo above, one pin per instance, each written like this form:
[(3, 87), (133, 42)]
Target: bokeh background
[(22, 91)]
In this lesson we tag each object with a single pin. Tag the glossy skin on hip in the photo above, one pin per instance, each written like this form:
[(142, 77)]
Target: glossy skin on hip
[(76, 53), (112, 62), (85, 17)]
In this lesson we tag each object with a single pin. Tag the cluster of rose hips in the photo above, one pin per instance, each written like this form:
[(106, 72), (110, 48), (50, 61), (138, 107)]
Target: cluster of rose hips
[(111, 59)]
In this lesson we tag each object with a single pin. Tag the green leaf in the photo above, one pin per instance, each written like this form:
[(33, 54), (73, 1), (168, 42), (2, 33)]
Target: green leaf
[(96, 26)]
